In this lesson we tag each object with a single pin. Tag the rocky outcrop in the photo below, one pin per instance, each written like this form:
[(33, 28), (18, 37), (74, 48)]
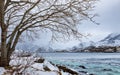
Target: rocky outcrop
[(65, 69)]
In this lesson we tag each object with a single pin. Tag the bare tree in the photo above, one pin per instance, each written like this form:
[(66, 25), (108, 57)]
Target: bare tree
[(60, 17)]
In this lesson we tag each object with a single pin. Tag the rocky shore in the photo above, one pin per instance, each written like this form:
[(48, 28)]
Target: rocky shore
[(31, 65)]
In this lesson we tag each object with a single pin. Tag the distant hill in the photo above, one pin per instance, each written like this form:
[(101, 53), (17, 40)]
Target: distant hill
[(112, 39)]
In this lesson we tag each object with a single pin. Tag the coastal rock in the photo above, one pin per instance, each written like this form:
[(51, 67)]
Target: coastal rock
[(83, 72), (65, 69), (107, 70), (40, 60), (83, 67)]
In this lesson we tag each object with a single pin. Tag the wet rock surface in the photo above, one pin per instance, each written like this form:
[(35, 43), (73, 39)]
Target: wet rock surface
[(83, 67), (65, 69), (107, 70)]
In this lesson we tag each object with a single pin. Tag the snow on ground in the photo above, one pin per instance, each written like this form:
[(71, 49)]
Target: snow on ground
[(28, 66), (2, 70), (65, 73), (37, 66), (50, 66)]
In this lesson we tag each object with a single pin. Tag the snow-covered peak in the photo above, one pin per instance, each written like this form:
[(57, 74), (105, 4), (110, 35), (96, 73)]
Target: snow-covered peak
[(111, 36), (112, 39)]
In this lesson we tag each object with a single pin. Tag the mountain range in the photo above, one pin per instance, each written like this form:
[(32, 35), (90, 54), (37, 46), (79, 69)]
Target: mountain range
[(112, 39), (110, 42)]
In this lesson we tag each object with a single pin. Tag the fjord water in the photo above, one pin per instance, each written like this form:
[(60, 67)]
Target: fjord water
[(94, 63)]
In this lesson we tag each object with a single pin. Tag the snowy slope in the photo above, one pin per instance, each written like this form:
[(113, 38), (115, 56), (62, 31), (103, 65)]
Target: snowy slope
[(112, 39)]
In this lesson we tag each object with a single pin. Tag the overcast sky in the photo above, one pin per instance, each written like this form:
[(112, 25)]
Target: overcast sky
[(109, 19)]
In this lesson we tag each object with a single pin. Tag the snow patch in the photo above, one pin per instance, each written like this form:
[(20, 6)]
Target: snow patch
[(2, 70)]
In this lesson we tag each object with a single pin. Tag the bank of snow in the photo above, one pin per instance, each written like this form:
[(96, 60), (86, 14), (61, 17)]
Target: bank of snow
[(31, 66)]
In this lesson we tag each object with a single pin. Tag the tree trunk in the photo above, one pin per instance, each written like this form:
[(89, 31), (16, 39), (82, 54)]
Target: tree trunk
[(4, 59)]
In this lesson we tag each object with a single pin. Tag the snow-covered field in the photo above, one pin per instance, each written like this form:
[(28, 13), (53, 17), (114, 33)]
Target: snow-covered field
[(90, 63)]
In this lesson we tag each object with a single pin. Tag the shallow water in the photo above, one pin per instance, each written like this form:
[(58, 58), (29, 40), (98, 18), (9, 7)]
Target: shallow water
[(95, 63)]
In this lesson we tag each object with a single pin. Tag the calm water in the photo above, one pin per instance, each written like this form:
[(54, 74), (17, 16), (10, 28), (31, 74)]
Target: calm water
[(95, 63)]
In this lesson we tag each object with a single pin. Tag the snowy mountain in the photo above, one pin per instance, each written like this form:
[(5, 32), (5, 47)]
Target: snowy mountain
[(107, 44), (112, 39)]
